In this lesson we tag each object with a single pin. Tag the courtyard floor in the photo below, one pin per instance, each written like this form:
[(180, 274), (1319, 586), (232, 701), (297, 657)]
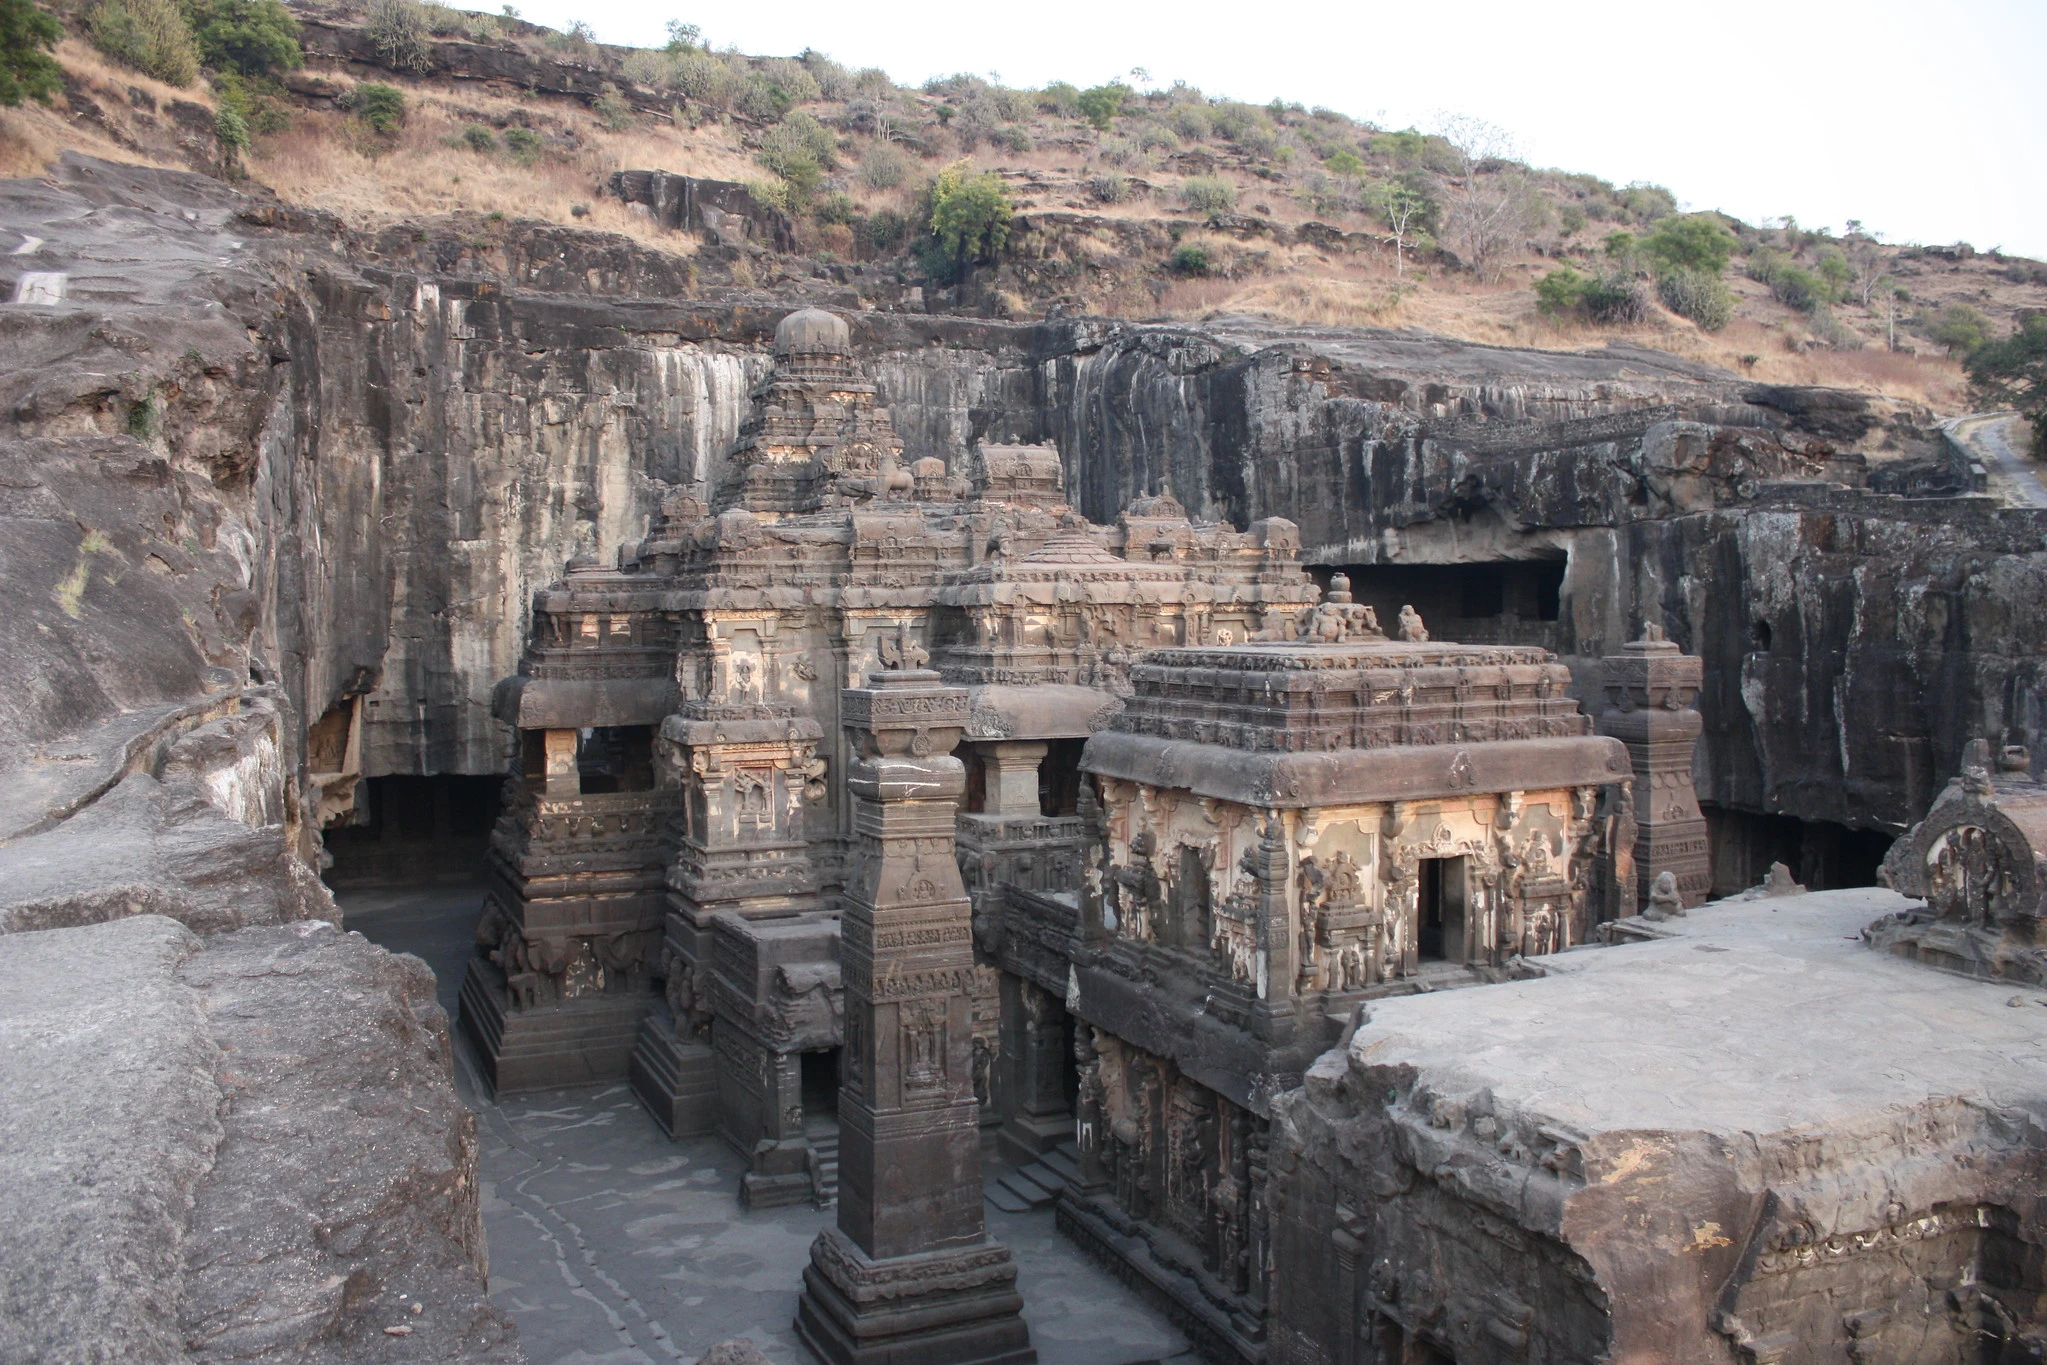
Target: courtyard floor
[(610, 1243)]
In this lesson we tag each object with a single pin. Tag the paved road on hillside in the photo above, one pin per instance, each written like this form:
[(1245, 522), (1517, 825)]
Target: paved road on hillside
[(1996, 438)]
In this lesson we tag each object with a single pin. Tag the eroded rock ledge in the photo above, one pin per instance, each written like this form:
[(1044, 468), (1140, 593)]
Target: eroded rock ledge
[(243, 1147)]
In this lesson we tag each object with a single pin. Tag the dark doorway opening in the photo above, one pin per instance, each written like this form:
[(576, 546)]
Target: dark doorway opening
[(415, 829), (1439, 911), (1822, 855), (1187, 901), (820, 1083), (1059, 777)]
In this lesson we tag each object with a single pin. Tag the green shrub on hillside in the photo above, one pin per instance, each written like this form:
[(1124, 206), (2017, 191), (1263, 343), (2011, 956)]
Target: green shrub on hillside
[(792, 78), (400, 32), (1060, 98), (837, 207), (884, 167), (1207, 195), (1193, 122), (260, 101), (612, 108), (1108, 189), (702, 79), (1100, 105), (1698, 242), (479, 139), (27, 71), (797, 139), (1190, 258), (884, 231), (969, 219), (1957, 328), (230, 130), (1346, 163), (150, 36), (1698, 295), (1613, 297), (2012, 372), (1648, 202), (1560, 292), (381, 106), (760, 99), (252, 37), (523, 145)]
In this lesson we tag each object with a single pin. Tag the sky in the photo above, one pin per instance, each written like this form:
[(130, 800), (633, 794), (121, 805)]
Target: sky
[(1925, 122)]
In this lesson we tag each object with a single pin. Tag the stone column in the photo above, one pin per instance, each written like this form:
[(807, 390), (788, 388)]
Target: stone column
[(1013, 777), (909, 1274), (562, 777), (1039, 1119), (1650, 687)]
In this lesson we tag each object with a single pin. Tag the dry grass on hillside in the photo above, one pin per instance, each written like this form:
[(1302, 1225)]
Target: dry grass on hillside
[(1364, 292), (33, 135), (333, 161)]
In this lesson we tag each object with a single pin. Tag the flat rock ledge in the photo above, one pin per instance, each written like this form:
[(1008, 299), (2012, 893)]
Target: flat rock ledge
[(245, 1147)]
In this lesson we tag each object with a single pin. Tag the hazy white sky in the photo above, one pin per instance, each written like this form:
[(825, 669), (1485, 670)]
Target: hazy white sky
[(1927, 121)]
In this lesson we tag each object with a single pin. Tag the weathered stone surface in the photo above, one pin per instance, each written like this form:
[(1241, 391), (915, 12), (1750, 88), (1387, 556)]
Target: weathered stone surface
[(343, 1190), (242, 1147), (1497, 1197), (108, 1126)]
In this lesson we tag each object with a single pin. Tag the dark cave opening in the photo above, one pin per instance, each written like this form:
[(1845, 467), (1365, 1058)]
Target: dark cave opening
[(1515, 601), (410, 829), (1822, 855)]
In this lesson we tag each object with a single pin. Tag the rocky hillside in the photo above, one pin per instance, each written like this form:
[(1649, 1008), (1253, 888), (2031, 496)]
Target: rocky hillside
[(1169, 205)]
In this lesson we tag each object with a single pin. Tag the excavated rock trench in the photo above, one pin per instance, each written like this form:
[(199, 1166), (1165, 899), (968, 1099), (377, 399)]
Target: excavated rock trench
[(263, 477)]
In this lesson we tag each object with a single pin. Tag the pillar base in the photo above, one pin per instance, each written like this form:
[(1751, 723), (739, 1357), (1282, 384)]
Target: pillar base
[(676, 1081), (585, 1041), (1025, 1136), (953, 1307)]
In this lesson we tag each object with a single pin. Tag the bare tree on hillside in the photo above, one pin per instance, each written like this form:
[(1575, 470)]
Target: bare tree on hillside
[(1488, 200)]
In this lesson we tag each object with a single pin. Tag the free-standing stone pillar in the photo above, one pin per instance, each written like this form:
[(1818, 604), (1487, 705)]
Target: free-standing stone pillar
[(909, 1276), (1650, 687)]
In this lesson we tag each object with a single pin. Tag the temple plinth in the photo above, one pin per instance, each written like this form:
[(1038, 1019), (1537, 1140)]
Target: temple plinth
[(909, 1274)]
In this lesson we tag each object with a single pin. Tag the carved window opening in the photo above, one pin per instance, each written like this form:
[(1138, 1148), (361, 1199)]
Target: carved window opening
[(1439, 910), (616, 758), (1059, 777)]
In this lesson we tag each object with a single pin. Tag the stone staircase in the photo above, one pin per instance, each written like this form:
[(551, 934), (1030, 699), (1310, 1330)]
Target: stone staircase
[(823, 1161), (1036, 1185)]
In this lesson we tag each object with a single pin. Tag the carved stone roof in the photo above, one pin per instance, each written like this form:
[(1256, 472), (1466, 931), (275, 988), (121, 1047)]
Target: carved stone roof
[(1365, 721), (813, 331)]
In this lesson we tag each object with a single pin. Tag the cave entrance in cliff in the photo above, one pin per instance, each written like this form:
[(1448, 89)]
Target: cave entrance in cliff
[(1509, 602), (408, 829), (1822, 855)]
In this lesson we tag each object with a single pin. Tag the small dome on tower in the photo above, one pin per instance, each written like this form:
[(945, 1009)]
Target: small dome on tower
[(813, 331)]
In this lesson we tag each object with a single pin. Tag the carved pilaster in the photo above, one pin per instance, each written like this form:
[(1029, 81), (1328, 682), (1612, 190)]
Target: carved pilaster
[(909, 1273), (1650, 688)]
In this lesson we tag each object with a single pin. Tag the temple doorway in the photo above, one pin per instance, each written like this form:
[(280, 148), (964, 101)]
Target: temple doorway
[(820, 1083), (1439, 911)]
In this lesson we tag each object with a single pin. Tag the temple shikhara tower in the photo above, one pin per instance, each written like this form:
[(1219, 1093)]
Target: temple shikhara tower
[(869, 807)]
